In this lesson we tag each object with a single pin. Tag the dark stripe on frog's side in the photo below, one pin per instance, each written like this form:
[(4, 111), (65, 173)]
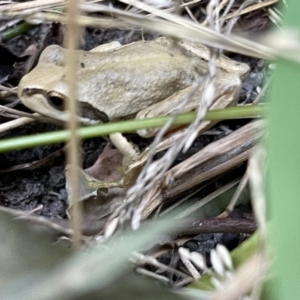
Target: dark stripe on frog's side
[(90, 112)]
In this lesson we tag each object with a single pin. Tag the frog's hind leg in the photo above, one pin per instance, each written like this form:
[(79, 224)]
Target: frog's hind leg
[(226, 91), (107, 47)]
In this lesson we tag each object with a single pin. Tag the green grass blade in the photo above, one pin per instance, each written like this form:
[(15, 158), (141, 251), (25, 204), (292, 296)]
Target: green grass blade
[(284, 175), (251, 111)]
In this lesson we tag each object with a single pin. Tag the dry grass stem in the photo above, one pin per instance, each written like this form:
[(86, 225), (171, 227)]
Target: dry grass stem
[(250, 8), (256, 174), (218, 148), (33, 117), (38, 220), (156, 198), (72, 37), (190, 267), (140, 258), (173, 26), (31, 5), (4, 127), (9, 90), (159, 278)]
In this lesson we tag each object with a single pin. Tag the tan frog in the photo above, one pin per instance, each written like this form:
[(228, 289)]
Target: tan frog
[(117, 81)]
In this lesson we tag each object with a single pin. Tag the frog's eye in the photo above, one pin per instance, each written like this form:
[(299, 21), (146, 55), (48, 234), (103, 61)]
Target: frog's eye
[(56, 100)]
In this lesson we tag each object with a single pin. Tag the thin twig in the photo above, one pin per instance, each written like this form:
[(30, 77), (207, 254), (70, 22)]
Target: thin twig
[(208, 198), (235, 197)]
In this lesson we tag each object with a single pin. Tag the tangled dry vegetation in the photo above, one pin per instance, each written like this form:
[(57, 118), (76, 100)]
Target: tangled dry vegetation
[(177, 203)]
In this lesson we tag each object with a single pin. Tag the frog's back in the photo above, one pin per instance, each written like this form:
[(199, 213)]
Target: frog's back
[(137, 75)]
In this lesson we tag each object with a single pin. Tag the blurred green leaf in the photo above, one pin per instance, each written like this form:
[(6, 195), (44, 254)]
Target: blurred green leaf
[(32, 267)]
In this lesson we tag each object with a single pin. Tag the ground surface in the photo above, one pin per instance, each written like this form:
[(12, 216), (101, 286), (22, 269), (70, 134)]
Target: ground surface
[(26, 189)]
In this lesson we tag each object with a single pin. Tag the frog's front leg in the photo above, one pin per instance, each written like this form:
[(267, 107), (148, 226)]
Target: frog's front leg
[(131, 154), (107, 47)]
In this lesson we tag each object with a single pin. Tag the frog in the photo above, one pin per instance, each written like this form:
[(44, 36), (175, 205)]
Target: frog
[(124, 81)]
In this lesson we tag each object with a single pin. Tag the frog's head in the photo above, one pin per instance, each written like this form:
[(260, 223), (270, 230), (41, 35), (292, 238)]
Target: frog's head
[(45, 89)]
